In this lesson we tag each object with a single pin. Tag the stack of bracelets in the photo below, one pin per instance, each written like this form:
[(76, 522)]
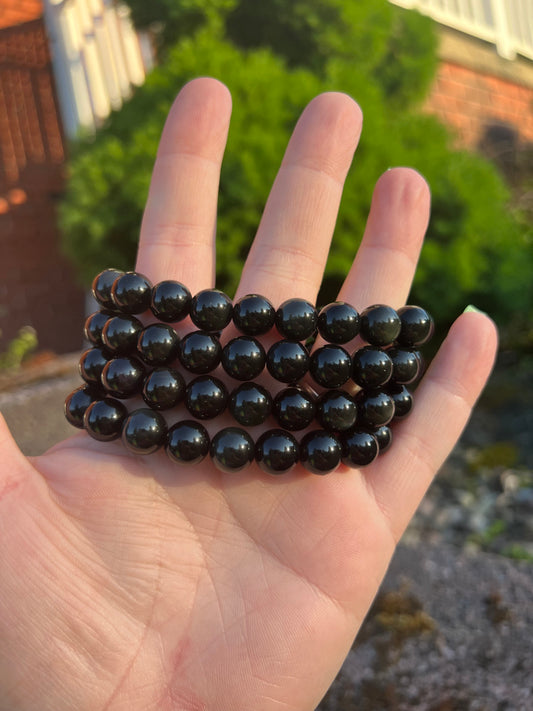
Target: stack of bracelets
[(174, 373)]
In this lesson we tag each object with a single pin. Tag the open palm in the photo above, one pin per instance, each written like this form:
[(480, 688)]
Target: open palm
[(131, 583)]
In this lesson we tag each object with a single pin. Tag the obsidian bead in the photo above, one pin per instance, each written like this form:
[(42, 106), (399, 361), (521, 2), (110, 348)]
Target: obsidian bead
[(416, 326), (405, 365), (403, 400), (92, 363), (77, 402), (371, 367), (253, 315), (336, 410), (276, 452), (123, 377), (250, 404), (94, 326), (380, 325), (103, 419), (383, 436), (200, 352), (158, 344), (163, 388), (338, 322), (296, 319), (101, 287), (121, 333), (144, 431), (171, 301), (294, 408), (187, 442), (243, 358), (232, 449), (320, 452), (211, 310), (359, 448), (374, 408), (206, 397), (330, 366), (132, 293), (287, 361)]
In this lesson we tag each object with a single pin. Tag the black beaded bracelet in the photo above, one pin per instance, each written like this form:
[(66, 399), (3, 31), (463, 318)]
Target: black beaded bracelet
[(127, 359)]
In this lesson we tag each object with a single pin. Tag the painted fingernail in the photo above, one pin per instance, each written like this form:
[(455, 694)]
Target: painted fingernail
[(474, 309)]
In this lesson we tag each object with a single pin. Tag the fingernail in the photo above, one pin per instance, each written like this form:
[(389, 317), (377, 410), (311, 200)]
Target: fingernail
[(473, 308)]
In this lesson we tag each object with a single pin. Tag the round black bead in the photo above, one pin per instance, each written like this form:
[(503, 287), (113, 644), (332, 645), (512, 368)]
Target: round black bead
[(121, 333), (132, 293), (416, 326), (123, 377), (320, 452), (405, 365), (380, 325), (253, 315), (163, 388), (77, 402), (206, 397), (383, 436), (101, 287), (187, 442), (371, 367), (330, 366), (92, 363), (158, 344), (287, 361), (403, 400), (374, 409), (232, 449), (94, 326), (276, 451), (200, 352), (171, 301), (296, 319), (336, 410), (103, 419), (243, 358), (338, 322), (250, 404), (211, 310), (144, 431), (294, 408), (358, 448)]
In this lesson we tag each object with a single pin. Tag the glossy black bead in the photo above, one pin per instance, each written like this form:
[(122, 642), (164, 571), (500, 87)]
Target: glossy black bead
[(158, 344), (374, 408), (187, 442), (406, 365), (383, 436), (123, 377), (132, 293), (171, 301), (254, 315), (330, 366), (276, 452), (294, 408), (77, 402), (296, 319), (92, 363), (121, 333), (103, 419), (416, 326), (371, 367), (403, 400), (94, 326), (287, 361), (320, 452), (232, 449), (144, 431), (211, 310), (359, 448), (206, 397), (338, 322), (380, 325), (163, 388), (200, 352), (243, 358), (336, 410), (101, 287), (250, 404)]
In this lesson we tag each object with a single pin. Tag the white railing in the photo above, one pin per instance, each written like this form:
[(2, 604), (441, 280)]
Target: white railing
[(508, 24)]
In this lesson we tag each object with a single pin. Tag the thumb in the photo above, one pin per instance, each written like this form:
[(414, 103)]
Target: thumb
[(14, 466)]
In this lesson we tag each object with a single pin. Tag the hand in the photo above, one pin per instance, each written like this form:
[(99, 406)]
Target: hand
[(130, 583)]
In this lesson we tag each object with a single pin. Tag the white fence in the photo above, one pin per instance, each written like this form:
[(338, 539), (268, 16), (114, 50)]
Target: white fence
[(508, 24)]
